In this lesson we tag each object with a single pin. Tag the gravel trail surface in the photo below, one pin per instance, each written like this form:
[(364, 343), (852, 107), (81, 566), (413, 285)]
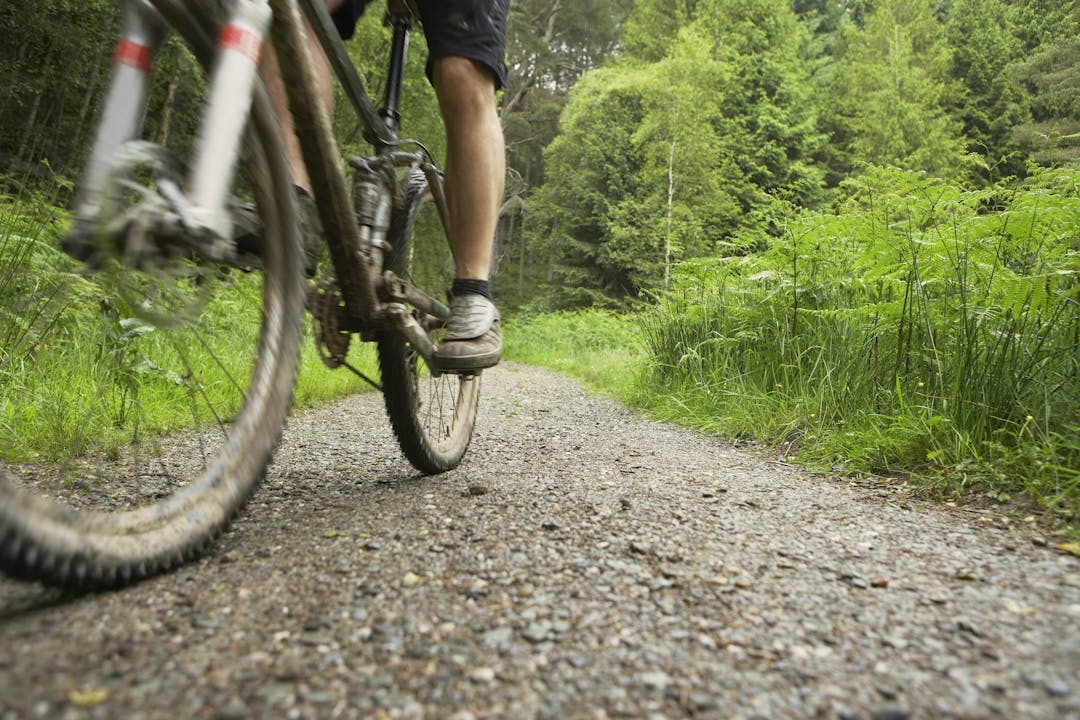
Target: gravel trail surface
[(582, 563)]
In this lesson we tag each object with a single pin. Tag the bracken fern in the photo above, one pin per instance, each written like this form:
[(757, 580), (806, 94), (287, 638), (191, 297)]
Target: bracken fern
[(921, 328)]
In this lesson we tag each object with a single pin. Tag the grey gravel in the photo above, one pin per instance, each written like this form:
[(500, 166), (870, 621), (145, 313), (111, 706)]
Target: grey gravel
[(582, 563)]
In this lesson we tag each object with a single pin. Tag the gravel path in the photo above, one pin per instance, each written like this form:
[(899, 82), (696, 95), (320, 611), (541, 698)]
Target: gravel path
[(582, 563)]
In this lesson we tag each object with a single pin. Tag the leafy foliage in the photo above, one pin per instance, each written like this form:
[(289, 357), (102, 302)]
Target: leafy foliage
[(670, 159), (924, 327), (988, 97)]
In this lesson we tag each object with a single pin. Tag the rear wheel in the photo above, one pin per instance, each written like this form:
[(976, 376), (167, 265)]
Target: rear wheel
[(140, 408), (432, 414)]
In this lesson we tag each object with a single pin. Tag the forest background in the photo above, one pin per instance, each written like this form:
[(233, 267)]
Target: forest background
[(848, 229)]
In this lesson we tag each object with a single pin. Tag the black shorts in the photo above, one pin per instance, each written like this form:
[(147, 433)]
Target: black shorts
[(473, 29)]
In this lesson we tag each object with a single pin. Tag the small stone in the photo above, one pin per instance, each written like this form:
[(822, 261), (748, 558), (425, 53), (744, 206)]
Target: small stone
[(561, 626), (289, 665), (891, 712), (235, 709), (482, 675), (277, 693), (881, 582), (316, 638), (549, 524), (318, 697), (537, 632), (476, 489), (655, 679), (497, 636), (1058, 688), (700, 701)]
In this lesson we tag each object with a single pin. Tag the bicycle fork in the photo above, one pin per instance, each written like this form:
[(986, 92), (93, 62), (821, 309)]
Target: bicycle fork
[(200, 215)]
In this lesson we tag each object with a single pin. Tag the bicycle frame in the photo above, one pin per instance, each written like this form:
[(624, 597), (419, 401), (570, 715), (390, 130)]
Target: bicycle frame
[(355, 223)]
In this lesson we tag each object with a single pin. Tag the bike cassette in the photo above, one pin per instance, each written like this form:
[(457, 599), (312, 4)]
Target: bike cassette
[(327, 307)]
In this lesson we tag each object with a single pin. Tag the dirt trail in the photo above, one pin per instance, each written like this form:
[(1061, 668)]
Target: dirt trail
[(583, 562)]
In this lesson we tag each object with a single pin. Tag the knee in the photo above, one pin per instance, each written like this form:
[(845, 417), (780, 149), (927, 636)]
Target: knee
[(463, 86)]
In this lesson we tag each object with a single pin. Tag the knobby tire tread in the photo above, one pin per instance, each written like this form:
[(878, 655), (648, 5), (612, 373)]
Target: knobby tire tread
[(394, 357), (64, 547)]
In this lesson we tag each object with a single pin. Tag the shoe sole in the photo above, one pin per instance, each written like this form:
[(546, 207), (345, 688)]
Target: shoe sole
[(460, 364)]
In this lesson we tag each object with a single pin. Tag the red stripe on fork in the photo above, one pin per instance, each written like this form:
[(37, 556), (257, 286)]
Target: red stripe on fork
[(244, 41), (133, 54)]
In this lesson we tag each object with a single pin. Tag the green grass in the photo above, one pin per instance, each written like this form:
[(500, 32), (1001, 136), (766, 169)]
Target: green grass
[(601, 349), (79, 371)]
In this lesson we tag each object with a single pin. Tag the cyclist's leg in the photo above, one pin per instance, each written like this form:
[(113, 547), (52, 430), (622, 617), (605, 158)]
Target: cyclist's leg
[(475, 170), (475, 163), (466, 47), (324, 80)]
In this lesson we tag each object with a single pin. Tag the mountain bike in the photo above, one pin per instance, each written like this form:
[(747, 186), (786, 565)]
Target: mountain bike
[(153, 229)]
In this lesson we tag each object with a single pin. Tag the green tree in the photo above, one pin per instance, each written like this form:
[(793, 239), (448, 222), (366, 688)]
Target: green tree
[(988, 99), (1051, 73), (886, 101), (53, 66), (54, 77), (550, 45), (592, 165), (653, 27), (682, 205), (661, 160)]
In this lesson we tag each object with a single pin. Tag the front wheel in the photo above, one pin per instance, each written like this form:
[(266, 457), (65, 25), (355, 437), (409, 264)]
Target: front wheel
[(433, 415), (139, 407)]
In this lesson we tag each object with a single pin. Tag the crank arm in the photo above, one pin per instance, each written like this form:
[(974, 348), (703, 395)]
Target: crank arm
[(411, 329)]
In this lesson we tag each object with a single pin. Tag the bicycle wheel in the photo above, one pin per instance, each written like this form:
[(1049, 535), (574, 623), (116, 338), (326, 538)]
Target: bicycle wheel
[(432, 414), (98, 486)]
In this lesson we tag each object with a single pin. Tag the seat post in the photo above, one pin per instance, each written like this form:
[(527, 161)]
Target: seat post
[(395, 73)]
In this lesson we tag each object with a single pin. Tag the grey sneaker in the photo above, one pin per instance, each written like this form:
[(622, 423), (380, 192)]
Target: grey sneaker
[(473, 340), (247, 233)]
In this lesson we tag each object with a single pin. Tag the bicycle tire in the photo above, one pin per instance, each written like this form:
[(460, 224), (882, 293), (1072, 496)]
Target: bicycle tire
[(432, 415), (77, 548)]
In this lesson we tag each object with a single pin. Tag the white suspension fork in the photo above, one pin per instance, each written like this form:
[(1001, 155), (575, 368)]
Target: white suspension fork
[(228, 108), (125, 105)]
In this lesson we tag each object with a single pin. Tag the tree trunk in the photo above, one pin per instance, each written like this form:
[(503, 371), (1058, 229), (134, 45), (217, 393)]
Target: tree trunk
[(166, 113), (28, 133), (670, 206), (521, 255), (93, 90), (528, 82), (10, 90)]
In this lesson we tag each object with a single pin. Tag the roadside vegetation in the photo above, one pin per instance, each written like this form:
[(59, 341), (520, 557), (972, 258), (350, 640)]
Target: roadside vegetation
[(921, 331)]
